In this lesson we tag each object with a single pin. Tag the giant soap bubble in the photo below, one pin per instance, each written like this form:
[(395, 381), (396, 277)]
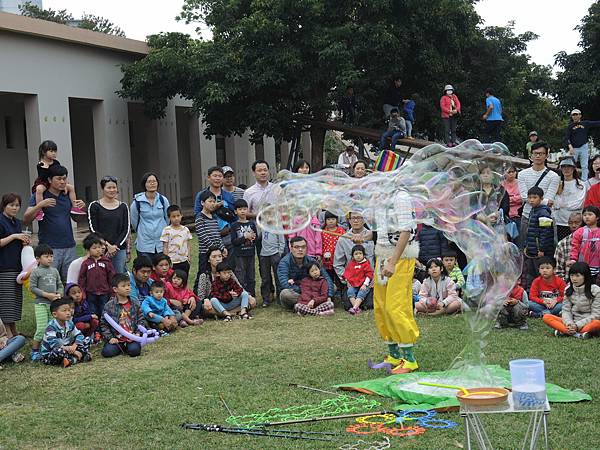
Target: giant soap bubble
[(446, 188)]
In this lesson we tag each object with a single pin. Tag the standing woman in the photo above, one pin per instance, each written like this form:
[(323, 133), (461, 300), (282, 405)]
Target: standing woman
[(594, 172), (149, 216), (109, 217), (511, 186), (12, 240), (450, 106), (569, 197)]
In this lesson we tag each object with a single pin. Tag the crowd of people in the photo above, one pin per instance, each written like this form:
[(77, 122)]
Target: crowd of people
[(98, 300)]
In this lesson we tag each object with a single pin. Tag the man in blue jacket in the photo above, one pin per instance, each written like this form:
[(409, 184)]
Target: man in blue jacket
[(292, 268)]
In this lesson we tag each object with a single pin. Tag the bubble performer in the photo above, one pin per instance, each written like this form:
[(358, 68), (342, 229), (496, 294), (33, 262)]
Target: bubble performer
[(438, 186)]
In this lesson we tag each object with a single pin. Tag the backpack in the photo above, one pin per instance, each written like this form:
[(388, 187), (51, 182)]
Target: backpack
[(137, 207)]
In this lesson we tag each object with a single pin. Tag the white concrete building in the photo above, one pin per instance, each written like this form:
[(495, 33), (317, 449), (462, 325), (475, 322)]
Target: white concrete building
[(59, 83)]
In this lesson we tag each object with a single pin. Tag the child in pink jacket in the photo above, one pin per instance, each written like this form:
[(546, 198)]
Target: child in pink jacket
[(313, 238)]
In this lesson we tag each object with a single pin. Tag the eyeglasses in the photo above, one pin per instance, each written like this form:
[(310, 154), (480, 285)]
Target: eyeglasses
[(299, 247), (108, 178), (539, 153)]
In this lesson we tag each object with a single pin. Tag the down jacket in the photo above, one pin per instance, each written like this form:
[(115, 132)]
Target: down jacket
[(432, 243), (578, 309), (313, 290), (540, 232)]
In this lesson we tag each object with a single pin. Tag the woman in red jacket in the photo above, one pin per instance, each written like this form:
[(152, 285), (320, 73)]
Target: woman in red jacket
[(314, 293), (450, 106)]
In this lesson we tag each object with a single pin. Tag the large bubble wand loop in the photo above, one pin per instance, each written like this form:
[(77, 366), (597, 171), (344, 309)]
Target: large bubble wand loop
[(446, 189)]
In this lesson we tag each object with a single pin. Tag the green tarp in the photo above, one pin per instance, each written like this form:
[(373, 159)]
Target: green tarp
[(397, 387)]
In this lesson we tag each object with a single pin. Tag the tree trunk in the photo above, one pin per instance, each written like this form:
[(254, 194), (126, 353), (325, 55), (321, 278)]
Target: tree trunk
[(317, 138)]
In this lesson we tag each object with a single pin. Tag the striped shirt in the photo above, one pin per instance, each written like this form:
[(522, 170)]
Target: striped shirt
[(207, 229), (527, 180)]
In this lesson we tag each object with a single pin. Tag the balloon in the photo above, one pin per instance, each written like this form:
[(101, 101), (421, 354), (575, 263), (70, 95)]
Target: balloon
[(74, 269), (28, 263), (448, 193), (147, 337)]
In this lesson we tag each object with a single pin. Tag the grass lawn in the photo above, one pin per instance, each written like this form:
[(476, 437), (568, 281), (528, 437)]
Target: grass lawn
[(140, 402)]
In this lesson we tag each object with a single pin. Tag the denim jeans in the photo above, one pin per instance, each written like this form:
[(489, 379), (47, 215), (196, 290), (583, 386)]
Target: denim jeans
[(582, 154), (395, 135), (120, 261), (129, 348), (357, 292), (242, 301), (12, 346), (539, 310), (63, 257), (96, 302), (408, 128)]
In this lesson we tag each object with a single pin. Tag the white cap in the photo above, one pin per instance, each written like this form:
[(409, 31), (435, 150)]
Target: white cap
[(227, 169), (575, 111), (448, 87)]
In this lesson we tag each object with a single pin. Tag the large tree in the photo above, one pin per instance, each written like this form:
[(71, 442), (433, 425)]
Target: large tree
[(62, 16), (578, 84), (271, 63)]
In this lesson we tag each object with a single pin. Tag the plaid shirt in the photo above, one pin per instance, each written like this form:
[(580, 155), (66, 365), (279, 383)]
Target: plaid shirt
[(220, 289), (561, 255)]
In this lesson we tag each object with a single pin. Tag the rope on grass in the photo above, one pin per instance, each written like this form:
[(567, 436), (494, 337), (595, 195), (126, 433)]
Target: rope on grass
[(364, 445), (342, 404)]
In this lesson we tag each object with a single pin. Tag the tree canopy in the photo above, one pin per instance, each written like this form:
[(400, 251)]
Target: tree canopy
[(62, 16), (272, 62)]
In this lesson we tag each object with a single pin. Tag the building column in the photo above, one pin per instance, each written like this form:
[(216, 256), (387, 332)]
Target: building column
[(242, 156), (284, 151), (168, 155), (203, 154), (306, 146), (269, 154)]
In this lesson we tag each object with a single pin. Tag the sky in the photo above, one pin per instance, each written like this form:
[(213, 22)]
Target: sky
[(553, 21)]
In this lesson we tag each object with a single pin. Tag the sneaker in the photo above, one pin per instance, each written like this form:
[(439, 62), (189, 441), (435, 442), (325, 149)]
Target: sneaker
[(357, 311), (39, 216), (328, 312), (351, 311), (183, 324), (524, 327), (36, 356), (66, 362), (393, 361), (266, 304), (558, 333), (405, 367), (586, 335), (78, 211), (198, 321), (87, 357), (497, 326)]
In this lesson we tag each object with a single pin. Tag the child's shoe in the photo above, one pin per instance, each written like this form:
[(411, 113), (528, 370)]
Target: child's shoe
[(36, 356), (357, 311), (197, 321), (585, 335), (265, 303), (39, 216), (524, 327), (497, 326), (183, 323), (87, 357), (351, 311), (558, 333), (67, 362), (97, 337), (328, 312), (78, 211)]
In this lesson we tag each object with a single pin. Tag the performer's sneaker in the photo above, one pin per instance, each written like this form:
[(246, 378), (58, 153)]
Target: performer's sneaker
[(393, 361), (405, 367)]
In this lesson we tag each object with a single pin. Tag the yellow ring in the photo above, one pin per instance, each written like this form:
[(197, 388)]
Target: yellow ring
[(386, 419)]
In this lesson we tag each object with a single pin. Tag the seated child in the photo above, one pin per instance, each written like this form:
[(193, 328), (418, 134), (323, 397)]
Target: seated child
[(162, 270), (125, 311), (547, 290), (515, 310), (182, 300), (313, 294), (176, 240), (9, 346), (358, 275), (84, 320), (454, 272), (438, 292), (47, 154), (581, 306), (63, 344), (416, 288), (226, 294), (156, 309), (46, 285)]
